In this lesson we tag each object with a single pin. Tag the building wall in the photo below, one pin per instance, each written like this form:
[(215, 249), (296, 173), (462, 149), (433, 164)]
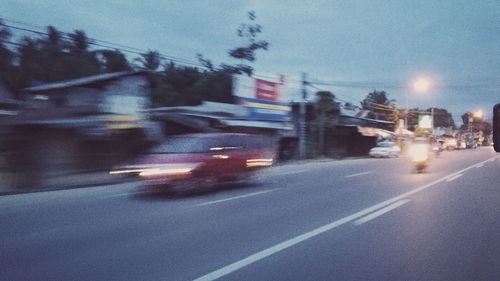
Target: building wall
[(128, 95)]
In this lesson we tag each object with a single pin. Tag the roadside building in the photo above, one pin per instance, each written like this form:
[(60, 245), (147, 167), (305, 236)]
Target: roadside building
[(352, 135), (77, 126)]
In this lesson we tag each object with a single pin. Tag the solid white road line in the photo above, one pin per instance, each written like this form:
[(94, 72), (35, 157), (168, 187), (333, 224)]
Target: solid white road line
[(359, 174), (381, 212), (454, 177), (293, 241), (480, 165), (236, 197)]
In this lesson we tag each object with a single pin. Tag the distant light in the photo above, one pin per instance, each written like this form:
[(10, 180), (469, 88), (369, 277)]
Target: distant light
[(421, 85), (478, 114)]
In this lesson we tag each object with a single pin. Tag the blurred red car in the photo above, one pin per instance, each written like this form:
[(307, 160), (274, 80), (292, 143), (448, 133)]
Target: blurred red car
[(186, 161)]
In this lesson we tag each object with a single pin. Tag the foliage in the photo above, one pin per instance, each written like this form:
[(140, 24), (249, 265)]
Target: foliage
[(113, 61), (149, 61), (322, 127), (379, 105), (442, 118), (477, 125), (245, 54), (6, 58), (53, 55)]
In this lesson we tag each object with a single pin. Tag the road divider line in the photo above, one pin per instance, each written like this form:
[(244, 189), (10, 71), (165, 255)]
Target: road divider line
[(381, 212), (359, 174), (236, 197), (480, 165), (454, 177), (303, 237)]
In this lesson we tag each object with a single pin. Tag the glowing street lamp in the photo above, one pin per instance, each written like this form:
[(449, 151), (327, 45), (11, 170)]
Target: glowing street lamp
[(478, 114), (421, 85)]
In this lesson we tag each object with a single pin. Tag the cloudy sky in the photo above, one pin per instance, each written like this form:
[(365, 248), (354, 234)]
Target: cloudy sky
[(357, 45)]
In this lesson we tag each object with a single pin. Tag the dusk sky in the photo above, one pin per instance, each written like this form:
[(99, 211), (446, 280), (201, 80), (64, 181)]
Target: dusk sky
[(360, 45)]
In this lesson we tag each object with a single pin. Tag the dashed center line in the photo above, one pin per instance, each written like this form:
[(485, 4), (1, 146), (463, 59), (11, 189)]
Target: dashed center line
[(381, 212), (359, 174), (394, 202), (236, 197), (454, 177)]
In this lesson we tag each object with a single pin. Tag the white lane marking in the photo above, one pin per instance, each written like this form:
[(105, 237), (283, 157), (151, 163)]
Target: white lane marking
[(381, 212), (479, 165), (293, 241), (236, 197), (454, 177), (359, 174)]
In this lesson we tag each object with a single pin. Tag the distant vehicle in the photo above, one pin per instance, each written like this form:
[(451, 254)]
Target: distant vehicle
[(471, 144), (450, 144), (190, 160), (437, 148), (462, 145), (385, 149)]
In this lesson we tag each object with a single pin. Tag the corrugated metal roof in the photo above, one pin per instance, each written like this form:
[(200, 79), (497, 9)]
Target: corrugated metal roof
[(207, 107), (83, 81)]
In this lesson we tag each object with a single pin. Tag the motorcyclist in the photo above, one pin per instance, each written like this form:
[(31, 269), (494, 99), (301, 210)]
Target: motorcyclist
[(419, 153)]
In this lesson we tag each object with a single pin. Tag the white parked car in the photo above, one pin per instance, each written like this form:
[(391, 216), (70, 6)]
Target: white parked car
[(385, 149)]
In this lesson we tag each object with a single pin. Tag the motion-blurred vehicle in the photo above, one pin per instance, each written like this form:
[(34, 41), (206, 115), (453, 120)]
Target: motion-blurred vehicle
[(187, 161), (385, 149), (419, 155)]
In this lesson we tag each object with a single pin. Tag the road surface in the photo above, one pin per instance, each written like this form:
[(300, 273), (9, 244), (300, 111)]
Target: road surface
[(364, 219)]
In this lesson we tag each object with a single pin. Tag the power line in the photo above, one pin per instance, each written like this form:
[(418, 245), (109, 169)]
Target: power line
[(109, 45)]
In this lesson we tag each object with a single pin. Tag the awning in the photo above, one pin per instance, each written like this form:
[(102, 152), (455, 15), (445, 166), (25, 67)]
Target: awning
[(374, 132), (257, 124)]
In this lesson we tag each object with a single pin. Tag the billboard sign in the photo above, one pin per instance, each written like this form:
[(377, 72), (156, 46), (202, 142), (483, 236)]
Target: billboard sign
[(425, 121), (262, 99)]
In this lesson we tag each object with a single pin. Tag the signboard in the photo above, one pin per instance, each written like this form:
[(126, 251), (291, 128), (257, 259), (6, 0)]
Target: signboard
[(262, 99), (425, 121)]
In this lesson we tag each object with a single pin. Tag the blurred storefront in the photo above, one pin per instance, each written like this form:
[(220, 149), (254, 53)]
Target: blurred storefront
[(76, 126)]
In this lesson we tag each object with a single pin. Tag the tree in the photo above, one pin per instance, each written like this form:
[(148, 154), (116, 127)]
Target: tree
[(442, 118), (6, 57), (149, 61), (380, 107), (326, 111), (114, 61), (245, 54), (81, 62)]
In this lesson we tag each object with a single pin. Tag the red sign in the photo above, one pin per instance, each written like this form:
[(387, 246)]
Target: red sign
[(266, 90)]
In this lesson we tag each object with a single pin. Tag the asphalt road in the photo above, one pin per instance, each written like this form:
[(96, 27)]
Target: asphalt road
[(364, 219)]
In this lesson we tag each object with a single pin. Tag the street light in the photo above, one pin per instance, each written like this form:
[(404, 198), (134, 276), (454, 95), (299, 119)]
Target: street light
[(420, 85), (478, 114)]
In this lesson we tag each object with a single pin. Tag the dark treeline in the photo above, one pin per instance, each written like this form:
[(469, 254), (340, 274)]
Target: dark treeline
[(53, 55)]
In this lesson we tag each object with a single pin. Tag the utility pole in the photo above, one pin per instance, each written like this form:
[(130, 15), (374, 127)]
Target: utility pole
[(406, 110), (432, 122), (302, 117)]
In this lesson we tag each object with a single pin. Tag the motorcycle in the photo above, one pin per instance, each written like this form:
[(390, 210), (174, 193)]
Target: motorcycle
[(419, 155)]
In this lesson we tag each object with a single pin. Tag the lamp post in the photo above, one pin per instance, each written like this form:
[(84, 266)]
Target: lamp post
[(422, 85)]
